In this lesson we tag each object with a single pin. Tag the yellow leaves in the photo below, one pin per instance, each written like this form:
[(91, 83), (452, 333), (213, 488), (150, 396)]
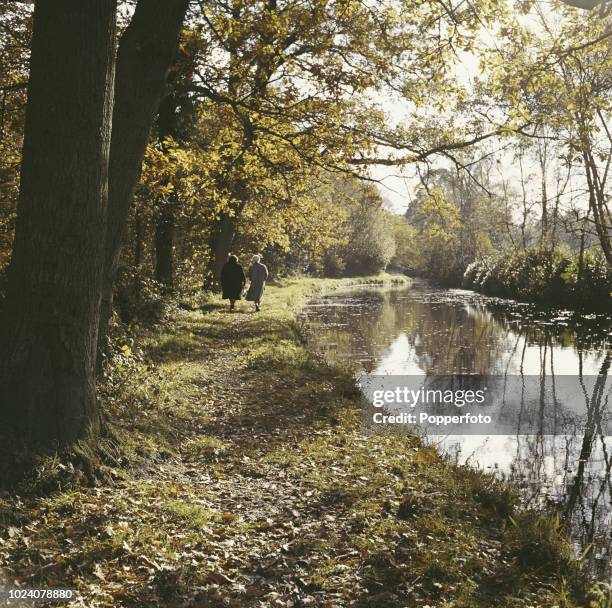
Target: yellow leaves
[(445, 215), (427, 455), (173, 170), (552, 73)]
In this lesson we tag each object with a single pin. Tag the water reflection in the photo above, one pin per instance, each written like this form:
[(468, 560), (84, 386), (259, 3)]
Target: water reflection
[(429, 331)]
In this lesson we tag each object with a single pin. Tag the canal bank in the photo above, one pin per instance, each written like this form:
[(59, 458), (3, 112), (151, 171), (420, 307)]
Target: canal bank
[(546, 375), (246, 480)]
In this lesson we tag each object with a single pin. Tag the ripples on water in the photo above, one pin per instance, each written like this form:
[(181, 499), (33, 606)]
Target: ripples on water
[(424, 330)]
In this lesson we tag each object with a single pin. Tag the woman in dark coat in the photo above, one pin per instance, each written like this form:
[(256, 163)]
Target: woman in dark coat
[(232, 280), (258, 275)]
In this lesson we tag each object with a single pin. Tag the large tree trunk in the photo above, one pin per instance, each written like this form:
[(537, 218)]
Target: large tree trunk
[(146, 52), (49, 326)]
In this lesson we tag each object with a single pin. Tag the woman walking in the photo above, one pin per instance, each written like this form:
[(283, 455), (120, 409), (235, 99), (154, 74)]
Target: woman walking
[(258, 274), (232, 280)]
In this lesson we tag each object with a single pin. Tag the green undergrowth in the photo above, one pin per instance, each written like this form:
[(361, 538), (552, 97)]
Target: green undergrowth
[(238, 475)]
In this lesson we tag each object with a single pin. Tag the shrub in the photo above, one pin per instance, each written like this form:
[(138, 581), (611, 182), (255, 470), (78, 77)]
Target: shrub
[(539, 543), (333, 264), (139, 298), (544, 275)]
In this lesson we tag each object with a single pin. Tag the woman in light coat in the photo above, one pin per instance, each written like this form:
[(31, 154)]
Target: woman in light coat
[(258, 274)]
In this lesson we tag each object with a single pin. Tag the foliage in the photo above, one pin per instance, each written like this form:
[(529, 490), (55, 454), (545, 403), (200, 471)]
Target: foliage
[(278, 105), (545, 276), (406, 257), (451, 224), (139, 298), (560, 79), (371, 243), (14, 55), (600, 596), (540, 543), (359, 231), (281, 98)]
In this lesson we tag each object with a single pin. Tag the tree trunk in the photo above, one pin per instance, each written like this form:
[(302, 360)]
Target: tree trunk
[(581, 258), (146, 52), (542, 153), (224, 230), (167, 123), (597, 203), (222, 239), (49, 326), (164, 246)]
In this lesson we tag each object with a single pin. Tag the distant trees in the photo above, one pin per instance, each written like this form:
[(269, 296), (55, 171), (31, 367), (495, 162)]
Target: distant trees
[(543, 206), (371, 245), (453, 221), (365, 237), (286, 91), (561, 81)]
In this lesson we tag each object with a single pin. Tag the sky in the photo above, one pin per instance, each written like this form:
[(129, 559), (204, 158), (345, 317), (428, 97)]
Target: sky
[(396, 185)]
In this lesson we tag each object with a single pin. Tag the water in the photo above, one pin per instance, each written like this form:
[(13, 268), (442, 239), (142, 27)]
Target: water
[(428, 331)]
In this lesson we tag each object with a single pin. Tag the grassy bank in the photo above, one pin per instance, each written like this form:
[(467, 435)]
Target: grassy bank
[(245, 480)]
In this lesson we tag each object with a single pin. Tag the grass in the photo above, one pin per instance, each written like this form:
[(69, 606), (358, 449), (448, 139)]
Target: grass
[(243, 479)]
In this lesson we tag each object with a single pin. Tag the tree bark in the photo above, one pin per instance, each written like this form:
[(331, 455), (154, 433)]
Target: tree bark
[(597, 202), (581, 257), (222, 239), (146, 52), (543, 157), (49, 324)]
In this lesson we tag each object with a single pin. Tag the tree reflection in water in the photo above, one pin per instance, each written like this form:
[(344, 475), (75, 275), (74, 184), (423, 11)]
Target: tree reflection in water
[(423, 330)]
